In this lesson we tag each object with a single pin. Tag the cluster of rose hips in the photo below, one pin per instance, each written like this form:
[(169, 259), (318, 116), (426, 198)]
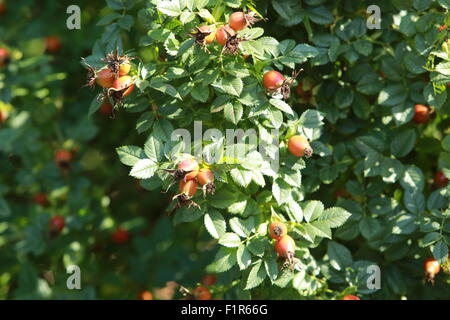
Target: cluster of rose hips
[(114, 78), (284, 244), (188, 175), (225, 35)]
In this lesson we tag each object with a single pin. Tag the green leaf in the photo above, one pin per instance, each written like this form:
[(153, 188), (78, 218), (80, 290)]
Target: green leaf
[(225, 259), (404, 224), (126, 22), (5, 210), (281, 105), (256, 247), (242, 227), (403, 143), (186, 214), (320, 15), (233, 112), (163, 87), (413, 179), (270, 263), (363, 47), (162, 130), (408, 24), (215, 224), (440, 251), (443, 68), (244, 259), (153, 149), (130, 155), (446, 143), (430, 238), (289, 12), (437, 200), (340, 257), (370, 228), (295, 211), (143, 169), (230, 240), (256, 276), (392, 95), (170, 8), (313, 210), (335, 217), (343, 98), (251, 33), (233, 86), (281, 191), (318, 229), (391, 170), (145, 121), (414, 201), (108, 19), (311, 119)]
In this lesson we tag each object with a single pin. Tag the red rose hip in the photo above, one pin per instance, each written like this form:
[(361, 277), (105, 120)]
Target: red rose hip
[(223, 34), (299, 146), (56, 224), (421, 114), (277, 230), (285, 247), (120, 236), (273, 80)]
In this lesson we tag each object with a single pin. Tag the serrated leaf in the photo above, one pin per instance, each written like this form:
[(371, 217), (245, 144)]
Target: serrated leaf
[(170, 8), (230, 240), (403, 143), (281, 105), (256, 276), (242, 227), (270, 263), (225, 259), (129, 155), (340, 257), (233, 112), (335, 217), (312, 210), (440, 251), (244, 259), (215, 224), (143, 169), (233, 86), (153, 149)]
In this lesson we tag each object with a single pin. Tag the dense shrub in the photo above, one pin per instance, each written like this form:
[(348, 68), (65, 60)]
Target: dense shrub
[(365, 185)]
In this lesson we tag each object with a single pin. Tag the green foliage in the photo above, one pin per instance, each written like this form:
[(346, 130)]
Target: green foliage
[(368, 195)]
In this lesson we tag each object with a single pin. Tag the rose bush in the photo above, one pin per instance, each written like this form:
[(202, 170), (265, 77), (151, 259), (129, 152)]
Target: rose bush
[(352, 154)]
